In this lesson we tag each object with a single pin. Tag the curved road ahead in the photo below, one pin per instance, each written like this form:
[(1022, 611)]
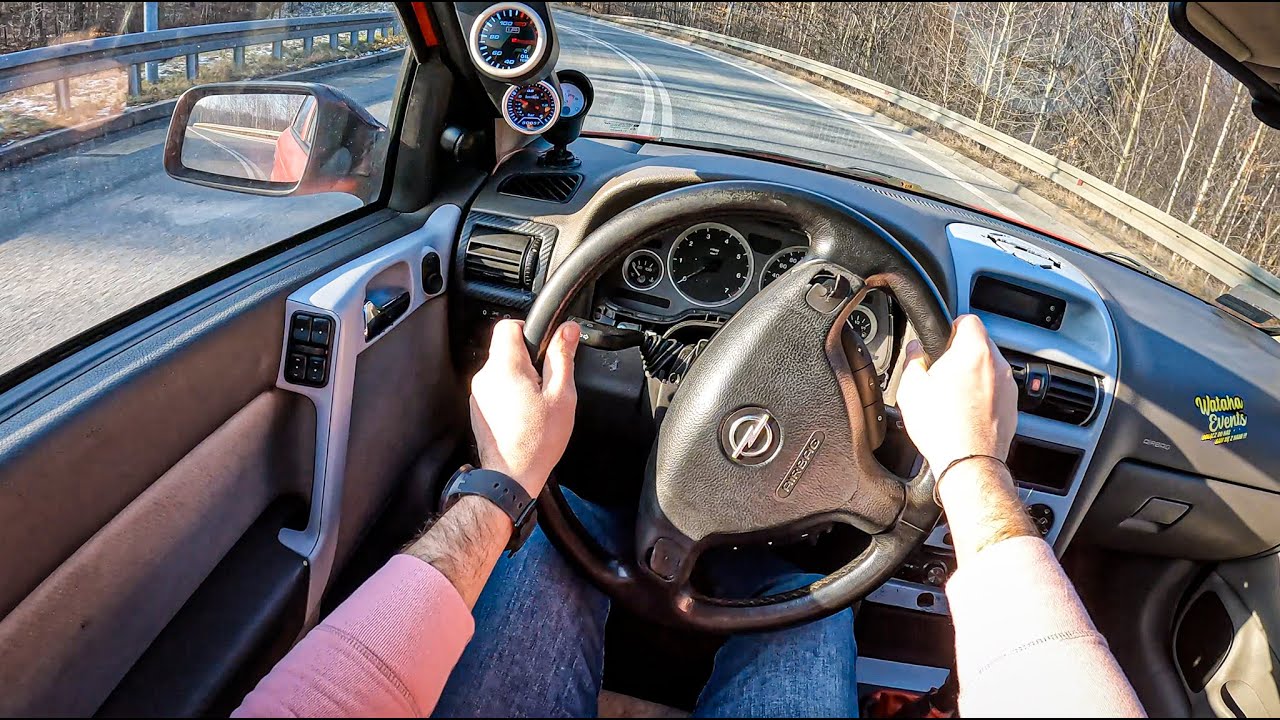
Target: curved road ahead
[(97, 229)]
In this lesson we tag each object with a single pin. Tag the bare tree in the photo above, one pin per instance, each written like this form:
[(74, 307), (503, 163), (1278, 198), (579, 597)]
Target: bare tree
[(1213, 161)]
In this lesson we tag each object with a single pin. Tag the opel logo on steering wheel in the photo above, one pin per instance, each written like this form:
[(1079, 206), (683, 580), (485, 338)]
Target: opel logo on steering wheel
[(750, 436)]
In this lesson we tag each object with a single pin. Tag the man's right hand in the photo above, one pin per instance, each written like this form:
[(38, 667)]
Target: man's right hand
[(966, 404), (522, 421)]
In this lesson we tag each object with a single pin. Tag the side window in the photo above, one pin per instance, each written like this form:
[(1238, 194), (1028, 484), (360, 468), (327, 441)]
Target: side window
[(93, 225)]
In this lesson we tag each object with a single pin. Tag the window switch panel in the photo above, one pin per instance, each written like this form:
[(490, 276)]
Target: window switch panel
[(307, 353)]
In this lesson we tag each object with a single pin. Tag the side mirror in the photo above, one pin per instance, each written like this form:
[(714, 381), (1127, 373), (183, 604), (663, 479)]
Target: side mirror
[(275, 138)]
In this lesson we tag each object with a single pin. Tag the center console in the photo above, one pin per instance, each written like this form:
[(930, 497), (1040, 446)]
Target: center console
[(1057, 335)]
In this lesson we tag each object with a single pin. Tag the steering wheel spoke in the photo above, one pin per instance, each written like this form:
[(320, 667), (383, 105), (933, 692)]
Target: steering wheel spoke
[(878, 502), (664, 553)]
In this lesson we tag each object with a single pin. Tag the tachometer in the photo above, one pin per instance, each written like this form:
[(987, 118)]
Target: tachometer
[(782, 261), (531, 109), (642, 270), (710, 264), (508, 40)]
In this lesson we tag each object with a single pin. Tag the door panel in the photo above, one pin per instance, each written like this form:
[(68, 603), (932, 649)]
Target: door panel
[(82, 629), (241, 619), (363, 304), (79, 457), (1227, 638), (123, 487), (395, 423)]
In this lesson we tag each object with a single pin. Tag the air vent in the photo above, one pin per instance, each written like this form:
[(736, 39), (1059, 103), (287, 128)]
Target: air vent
[(548, 187), (1053, 391), (501, 258)]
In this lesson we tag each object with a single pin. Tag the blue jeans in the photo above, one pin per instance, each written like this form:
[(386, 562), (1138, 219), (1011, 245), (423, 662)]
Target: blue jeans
[(538, 649)]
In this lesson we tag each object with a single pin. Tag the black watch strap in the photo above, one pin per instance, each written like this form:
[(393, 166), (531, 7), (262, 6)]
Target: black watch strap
[(501, 490)]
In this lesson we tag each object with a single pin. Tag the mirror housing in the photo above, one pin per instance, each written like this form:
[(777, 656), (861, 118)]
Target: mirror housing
[(343, 150)]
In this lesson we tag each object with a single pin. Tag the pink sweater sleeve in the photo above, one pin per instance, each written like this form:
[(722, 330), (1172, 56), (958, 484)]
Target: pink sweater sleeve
[(385, 652), (1025, 645)]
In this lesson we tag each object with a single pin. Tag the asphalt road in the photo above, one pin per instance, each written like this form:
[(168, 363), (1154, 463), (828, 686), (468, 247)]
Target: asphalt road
[(92, 231), (652, 85), (226, 152)]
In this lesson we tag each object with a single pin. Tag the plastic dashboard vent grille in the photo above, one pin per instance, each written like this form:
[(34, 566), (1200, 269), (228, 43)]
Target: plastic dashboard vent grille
[(501, 258), (547, 187), (1069, 395)]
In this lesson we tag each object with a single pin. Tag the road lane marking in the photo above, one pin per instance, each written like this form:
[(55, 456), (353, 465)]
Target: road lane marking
[(655, 92), (975, 191), (250, 167)]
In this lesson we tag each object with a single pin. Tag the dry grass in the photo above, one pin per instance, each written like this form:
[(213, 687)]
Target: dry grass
[(1141, 247), (33, 111)]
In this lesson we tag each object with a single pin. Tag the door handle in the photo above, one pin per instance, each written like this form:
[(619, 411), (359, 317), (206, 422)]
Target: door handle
[(382, 308)]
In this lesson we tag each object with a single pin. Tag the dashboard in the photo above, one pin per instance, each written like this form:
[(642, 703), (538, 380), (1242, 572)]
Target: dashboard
[(1140, 407), (710, 270), (1101, 432)]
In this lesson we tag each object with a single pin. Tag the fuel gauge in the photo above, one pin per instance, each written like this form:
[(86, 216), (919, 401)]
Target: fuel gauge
[(642, 270)]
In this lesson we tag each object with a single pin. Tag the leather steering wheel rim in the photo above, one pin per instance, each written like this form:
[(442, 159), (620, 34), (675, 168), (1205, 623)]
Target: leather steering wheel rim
[(847, 250)]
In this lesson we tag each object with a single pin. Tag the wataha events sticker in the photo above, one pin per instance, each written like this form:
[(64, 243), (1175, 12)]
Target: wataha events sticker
[(1225, 417)]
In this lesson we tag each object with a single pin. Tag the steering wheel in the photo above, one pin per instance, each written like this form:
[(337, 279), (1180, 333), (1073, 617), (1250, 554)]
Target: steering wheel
[(772, 430)]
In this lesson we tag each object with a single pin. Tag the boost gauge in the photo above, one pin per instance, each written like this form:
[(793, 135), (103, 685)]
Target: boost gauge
[(531, 109), (508, 40)]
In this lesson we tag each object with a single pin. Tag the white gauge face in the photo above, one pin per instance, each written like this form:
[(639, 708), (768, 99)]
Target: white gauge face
[(864, 322), (574, 100), (531, 109), (508, 40)]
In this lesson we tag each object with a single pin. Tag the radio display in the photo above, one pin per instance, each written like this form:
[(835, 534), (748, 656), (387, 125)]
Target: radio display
[(1017, 302)]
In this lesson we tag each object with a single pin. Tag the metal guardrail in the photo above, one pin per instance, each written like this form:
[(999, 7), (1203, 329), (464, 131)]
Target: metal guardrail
[(1219, 261), (59, 64)]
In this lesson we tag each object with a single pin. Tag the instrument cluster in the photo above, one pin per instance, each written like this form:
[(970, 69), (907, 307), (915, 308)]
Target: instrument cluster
[(709, 270)]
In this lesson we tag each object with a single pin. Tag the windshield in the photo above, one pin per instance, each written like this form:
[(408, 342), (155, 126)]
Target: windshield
[(1095, 122)]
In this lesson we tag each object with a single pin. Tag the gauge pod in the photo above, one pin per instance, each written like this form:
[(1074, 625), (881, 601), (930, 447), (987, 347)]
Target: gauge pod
[(507, 40), (532, 108)]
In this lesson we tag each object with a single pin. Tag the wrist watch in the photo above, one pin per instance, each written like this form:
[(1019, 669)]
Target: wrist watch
[(499, 489)]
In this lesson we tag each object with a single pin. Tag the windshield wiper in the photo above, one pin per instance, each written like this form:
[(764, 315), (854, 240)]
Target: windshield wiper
[(1130, 261)]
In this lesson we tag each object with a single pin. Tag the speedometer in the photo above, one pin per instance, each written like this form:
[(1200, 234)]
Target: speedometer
[(508, 40), (531, 109), (782, 261), (710, 264)]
